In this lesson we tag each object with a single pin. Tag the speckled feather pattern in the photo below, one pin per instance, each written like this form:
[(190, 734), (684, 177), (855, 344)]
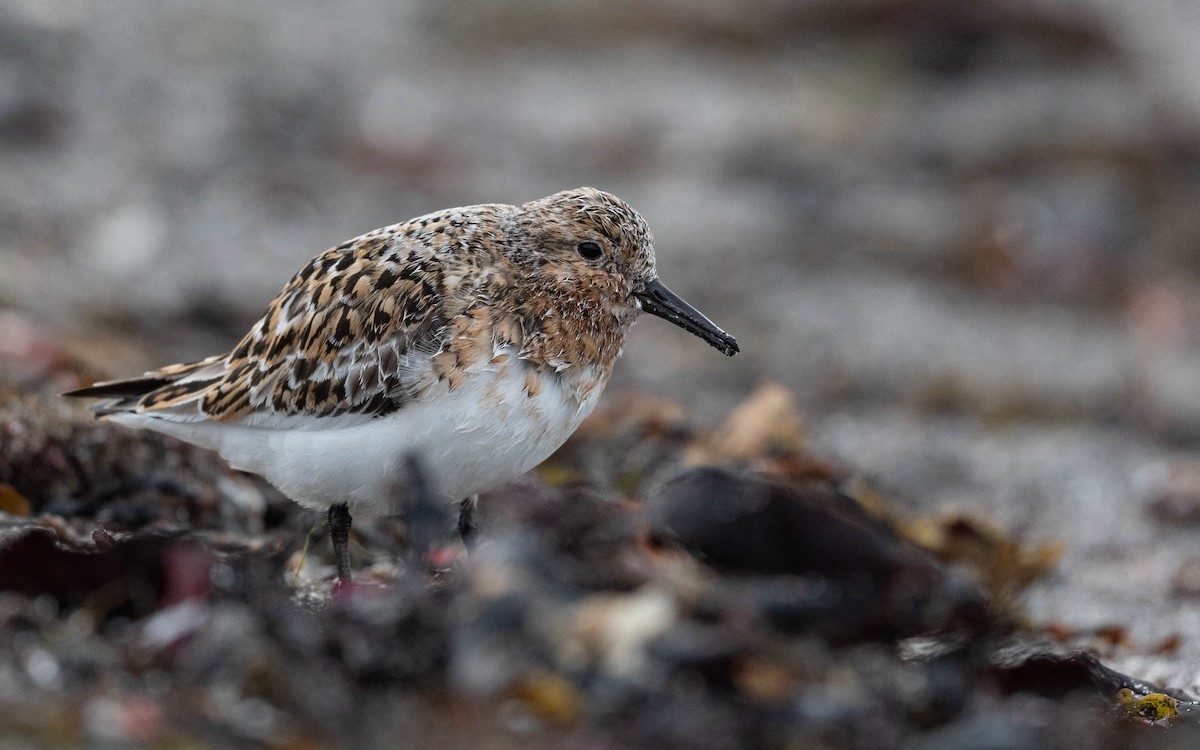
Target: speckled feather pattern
[(377, 321)]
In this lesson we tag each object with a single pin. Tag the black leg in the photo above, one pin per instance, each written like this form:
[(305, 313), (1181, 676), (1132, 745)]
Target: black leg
[(339, 534), (467, 529)]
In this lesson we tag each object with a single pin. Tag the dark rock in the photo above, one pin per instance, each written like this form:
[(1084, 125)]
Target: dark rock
[(861, 577)]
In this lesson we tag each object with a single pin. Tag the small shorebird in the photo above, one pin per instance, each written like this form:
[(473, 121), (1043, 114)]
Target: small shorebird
[(471, 341)]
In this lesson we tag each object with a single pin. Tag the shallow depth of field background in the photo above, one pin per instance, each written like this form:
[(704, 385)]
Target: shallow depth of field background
[(966, 235)]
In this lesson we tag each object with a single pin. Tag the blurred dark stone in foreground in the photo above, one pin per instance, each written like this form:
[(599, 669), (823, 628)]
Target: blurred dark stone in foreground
[(856, 576), (1029, 669), (744, 522)]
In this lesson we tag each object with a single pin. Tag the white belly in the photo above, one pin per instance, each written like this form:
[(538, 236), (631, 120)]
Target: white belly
[(485, 432)]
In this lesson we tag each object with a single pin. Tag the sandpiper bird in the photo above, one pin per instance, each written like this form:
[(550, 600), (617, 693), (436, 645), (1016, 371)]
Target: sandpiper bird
[(474, 340)]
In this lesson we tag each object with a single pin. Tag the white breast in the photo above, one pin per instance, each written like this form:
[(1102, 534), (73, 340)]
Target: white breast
[(483, 433)]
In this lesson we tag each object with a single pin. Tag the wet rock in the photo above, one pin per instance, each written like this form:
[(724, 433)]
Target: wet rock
[(861, 572), (1054, 673)]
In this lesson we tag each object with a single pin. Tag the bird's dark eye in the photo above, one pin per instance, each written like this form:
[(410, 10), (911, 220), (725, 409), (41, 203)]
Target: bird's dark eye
[(590, 250)]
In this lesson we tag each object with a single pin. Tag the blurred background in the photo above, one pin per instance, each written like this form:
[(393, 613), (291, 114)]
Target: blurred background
[(965, 235)]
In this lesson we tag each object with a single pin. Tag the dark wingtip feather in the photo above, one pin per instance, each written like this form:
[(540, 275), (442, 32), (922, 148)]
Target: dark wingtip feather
[(118, 388)]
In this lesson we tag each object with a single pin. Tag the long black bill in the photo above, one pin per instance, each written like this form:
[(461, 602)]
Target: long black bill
[(657, 300)]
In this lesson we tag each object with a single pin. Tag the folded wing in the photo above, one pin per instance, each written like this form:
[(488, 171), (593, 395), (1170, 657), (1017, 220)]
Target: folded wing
[(353, 333)]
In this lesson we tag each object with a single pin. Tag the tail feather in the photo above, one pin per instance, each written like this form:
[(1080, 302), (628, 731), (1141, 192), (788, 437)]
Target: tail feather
[(139, 386), (159, 390)]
